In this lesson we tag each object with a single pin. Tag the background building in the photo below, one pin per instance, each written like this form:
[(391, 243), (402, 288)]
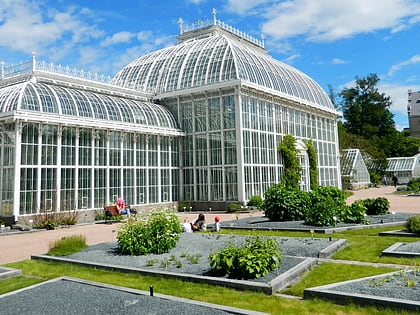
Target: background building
[(413, 111), (199, 122)]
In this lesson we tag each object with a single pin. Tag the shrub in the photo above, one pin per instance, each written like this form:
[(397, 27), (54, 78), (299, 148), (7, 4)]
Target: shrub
[(414, 184), (355, 213), (184, 206), (282, 204), (376, 206), (254, 259), (67, 245), (413, 224), (233, 207), (335, 193), (155, 234), (323, 212), (255, 201)]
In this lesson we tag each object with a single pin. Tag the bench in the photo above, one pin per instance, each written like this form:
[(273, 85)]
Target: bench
[(111, 211)]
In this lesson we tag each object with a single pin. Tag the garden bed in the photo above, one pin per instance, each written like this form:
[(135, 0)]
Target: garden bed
[(264, 223), (9, 272), (398, 289), (189, 260), (403, 250)]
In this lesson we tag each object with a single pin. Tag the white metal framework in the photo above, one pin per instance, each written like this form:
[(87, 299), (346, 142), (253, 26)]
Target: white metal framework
[(71, 141), (404, 168), (354, 168)]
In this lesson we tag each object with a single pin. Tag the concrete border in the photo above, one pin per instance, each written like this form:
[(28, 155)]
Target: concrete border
[(333, 248), (228, 309), (276, 284), (6, 272), (403, 233), (393, 251), (327, 292)]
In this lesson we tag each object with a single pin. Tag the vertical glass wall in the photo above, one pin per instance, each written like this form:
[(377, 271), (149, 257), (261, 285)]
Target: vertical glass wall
[(79, 168), (7, 153)]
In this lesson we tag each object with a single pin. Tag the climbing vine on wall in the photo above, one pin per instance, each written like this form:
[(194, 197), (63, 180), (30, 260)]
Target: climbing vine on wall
[(313, 164), (291, 165)]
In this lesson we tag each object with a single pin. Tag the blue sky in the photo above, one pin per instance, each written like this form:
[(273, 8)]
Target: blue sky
[(330, 40)]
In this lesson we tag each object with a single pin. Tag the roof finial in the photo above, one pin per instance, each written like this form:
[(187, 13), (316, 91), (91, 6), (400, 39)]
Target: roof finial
[(181, 25), (263, 40), (33, 60), (214, 12), (1, 70)]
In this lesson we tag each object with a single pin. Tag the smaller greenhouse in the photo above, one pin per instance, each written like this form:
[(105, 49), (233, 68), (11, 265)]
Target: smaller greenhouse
[(353, 169), (404, 168)]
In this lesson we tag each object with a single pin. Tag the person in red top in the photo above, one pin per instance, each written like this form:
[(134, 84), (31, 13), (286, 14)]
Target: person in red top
[(122, 208)]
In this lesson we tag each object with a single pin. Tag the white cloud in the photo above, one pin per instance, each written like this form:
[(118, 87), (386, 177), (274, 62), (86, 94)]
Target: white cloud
[(27, 25), (338, 61), (398, 94), (413, 60), (326, 20), (244, 6), (117, 38)]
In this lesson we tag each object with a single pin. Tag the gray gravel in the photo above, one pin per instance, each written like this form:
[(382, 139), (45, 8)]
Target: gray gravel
[(67, 297), (200, 245), (398, 286)]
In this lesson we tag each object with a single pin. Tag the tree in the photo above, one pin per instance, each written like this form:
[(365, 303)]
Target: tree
[(291, 165), (313, 164), (366, 110)]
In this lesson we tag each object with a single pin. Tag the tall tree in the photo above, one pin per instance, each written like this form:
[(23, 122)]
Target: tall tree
[(366, 110)]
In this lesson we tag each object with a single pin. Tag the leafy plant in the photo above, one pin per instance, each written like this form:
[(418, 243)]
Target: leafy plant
[(291, 164), (323, 212), (67, 245), (413, 224), (376, 206), (313, 164), (355, 213), (255, 201), (254, 259), (183, 206), (414, 184), (155, 234), (233, 207), (282, 204)]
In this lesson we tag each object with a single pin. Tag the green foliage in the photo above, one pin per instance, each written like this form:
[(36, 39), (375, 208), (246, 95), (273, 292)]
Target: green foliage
[(329, 191), (355, 213), (414, 184), (365, 110), (413, 224), (323, 212), (183, 206), (155, 234), (291, 165), (254, 259), (255, 201), (313, 164), (282, 204), (67, 245), (233, 207), (376, 206)]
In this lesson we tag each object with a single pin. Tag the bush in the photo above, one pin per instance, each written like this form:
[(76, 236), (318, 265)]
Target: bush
[(67, 245), (255, 201), (184, 206), (414, 184), (376, 206), (282, 204), (355, 213), (254, 259), (335, 193), (323, 212), (233, 207), (155, 234), (413, 224)]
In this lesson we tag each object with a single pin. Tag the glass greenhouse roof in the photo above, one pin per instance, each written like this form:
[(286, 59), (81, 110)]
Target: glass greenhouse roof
[(402, 163), (62, 100), (213, 56)]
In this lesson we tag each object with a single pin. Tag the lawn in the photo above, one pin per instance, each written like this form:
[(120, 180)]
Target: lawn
[(364, 245)]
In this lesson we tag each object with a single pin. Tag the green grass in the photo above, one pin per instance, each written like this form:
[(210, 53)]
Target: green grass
[(327, 273), (68, 245), (364, 245), (200, 292)]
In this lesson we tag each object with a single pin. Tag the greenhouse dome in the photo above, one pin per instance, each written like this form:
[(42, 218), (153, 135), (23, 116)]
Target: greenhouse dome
[(60, 100), (214, 55)]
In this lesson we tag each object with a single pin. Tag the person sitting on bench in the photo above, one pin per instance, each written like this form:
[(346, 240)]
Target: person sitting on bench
[(122, 208)]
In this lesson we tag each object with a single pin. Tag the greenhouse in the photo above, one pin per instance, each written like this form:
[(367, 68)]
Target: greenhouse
[(197, 122), (353, 169), (404, 168)]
